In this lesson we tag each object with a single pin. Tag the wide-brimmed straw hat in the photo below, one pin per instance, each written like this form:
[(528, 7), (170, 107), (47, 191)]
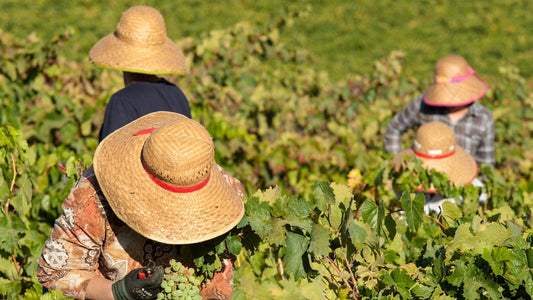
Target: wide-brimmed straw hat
[(436, 147), (455, 83), (159, 175), (140, 45)]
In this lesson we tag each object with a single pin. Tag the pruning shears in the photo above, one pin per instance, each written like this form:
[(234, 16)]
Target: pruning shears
[(147, 271)]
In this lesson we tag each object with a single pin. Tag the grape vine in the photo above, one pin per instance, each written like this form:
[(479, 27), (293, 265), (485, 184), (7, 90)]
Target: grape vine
[(180, 282)]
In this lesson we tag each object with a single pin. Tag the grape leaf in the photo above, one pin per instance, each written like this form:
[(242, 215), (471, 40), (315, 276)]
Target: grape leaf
[(234, 244), (277, 235), (422, 291), (22, 201), (312, 289), (463, 238), (296, 248), (497, 258), (471, 288), (300, 207), (324, 195), (280, 208), (358, 234), (451, 212), (343, 193), (414, 208), (495, 234), (12, 230), (400, 281), (259, 217), (372, 214), (528, 283), (459, 273), (269, 195), (319, 244)]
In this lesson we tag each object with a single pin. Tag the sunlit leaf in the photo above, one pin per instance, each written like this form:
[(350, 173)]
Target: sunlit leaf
[(413, 206), (319, 243), (296, 247)]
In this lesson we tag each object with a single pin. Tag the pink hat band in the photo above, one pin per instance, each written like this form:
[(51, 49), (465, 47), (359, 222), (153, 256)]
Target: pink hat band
[(456, 79)]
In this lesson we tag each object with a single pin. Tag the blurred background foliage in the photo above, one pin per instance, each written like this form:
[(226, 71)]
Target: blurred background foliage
[(345, 37)]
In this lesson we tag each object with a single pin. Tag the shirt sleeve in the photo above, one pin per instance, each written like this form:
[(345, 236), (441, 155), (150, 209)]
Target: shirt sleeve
[(400, 123), (235, 183), (69, 258), (118, 113), (485, 153)]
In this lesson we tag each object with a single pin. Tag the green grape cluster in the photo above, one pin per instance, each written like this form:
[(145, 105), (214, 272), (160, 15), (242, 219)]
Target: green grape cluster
[(180, 282)]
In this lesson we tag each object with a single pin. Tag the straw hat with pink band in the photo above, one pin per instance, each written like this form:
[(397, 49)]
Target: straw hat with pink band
[(436, 147), (455, 83), (159, 175), (139, 45)]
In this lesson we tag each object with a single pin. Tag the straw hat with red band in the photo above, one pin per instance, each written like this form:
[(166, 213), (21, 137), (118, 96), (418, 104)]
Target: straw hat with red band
[(436, 147), (140, 45), (456, 83), (159, 175)]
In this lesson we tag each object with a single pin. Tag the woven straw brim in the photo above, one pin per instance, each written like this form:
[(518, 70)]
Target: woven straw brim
[(461, 167), (455, 94), (152, 211), (111, 52)]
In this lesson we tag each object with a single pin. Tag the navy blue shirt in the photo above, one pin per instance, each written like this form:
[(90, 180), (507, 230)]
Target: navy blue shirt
[(141, 98)]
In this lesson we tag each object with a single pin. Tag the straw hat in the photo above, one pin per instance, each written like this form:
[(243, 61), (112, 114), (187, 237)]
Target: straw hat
[(159, 175), (436, 147), (456, 83), (140, 45)]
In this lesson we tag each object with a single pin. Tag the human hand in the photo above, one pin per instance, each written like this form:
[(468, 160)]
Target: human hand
[(138, 285)]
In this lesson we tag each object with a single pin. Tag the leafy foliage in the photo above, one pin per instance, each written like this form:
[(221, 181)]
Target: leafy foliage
[(345, 37), (323, 219)]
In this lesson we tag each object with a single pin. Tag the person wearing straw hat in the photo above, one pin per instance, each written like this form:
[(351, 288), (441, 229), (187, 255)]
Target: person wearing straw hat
[(140, 48), (451, 99), (154, 185), (435, 145)]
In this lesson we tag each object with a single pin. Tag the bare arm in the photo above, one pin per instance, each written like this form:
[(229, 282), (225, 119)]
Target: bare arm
[(99, 288)]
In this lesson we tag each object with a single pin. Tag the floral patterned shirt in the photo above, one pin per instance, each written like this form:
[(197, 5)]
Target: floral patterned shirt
[(89, 240)]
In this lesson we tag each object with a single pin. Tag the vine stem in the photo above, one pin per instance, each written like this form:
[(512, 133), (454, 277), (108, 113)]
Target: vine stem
[(14, 166), (281, 271), (14, 172), (438, 222), (332, 281), (14, 258), (340, 275), (353, 288)]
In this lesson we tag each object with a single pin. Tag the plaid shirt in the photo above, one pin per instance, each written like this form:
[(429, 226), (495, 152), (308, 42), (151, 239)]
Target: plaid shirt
[(474, 132)]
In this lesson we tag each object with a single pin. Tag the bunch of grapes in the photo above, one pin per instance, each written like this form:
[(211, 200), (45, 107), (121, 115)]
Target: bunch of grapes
[(180, 282)]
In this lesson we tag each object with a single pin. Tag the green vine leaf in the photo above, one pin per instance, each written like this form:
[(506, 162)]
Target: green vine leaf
[(451, 212), (359, 233), (319, 244), (12, 231), (372, 214), (234, 245), (324, 195), (413, 206), (296, 248), (258, 216)]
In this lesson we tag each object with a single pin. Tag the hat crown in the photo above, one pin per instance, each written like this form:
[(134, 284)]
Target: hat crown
[(142, 25), (435, 139), (180, 153), (450, 66)]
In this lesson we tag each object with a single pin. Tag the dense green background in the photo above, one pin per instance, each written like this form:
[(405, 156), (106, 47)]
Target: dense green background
[(346, 37)]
